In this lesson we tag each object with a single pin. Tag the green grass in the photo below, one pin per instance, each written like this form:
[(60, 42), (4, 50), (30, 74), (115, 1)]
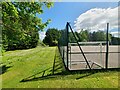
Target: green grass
[(33, 68)]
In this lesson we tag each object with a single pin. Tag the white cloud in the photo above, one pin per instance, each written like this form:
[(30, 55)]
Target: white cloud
[(116, 34), (96, 19), (42, 35)]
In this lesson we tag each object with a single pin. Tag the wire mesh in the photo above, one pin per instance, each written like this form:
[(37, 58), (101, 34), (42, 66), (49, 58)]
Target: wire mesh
[(85, 55), (95, 54), (63, 46)]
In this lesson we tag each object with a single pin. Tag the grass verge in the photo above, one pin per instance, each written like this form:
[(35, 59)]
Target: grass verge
[(33, 68)]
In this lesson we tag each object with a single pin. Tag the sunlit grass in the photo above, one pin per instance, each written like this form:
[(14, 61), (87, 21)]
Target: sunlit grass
[(33, 68)]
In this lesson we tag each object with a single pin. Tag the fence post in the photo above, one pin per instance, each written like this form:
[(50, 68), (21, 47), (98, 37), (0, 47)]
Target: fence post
[(101, 54), (67, 43), (80, 47), (107, 47)]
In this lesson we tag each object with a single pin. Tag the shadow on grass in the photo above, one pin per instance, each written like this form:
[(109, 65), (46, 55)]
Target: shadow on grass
[(4, 68), (58, 70)]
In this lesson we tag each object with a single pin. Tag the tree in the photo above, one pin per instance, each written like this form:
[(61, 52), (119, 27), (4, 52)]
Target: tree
[(52, 37), (71, 37), (21, 25), (84, 35), (115, 40), (98, 36)]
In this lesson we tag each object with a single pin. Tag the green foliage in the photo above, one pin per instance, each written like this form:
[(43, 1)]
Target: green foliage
[(115, 41), (85, 36), (98, 36), (52, 37), (21, 25), (71, 37)]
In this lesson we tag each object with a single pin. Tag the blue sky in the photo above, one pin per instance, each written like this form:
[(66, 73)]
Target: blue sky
[(63, 12)]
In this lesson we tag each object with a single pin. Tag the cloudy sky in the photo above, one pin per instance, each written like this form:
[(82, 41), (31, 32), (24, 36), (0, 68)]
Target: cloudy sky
[(82, 15), (96, 19)]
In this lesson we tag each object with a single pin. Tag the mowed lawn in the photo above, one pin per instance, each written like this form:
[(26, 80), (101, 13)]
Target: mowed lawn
[(33, 68)]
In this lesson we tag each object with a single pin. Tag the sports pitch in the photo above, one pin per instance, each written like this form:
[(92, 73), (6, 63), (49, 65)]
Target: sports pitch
[(95, 55)]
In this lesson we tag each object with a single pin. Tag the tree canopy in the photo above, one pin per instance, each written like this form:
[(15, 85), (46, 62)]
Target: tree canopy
[(52, 37), (85, 36), (21, 24)]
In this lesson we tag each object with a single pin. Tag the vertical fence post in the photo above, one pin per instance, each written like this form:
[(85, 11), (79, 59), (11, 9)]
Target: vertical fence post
[(70, 57), (67, 42), (101, 54), (107, 47), (79, 47)]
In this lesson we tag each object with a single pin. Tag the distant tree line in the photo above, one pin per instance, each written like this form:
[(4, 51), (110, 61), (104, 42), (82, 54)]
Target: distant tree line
[(54, 35)]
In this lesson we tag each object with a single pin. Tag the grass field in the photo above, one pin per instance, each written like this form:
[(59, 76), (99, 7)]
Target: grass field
[(33, 68)]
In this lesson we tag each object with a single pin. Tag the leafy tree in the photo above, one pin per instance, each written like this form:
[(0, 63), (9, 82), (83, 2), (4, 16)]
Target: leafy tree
[(21, 24), (98, 36), (71, 37), (115, 40), (52, 37), (84, 36)]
